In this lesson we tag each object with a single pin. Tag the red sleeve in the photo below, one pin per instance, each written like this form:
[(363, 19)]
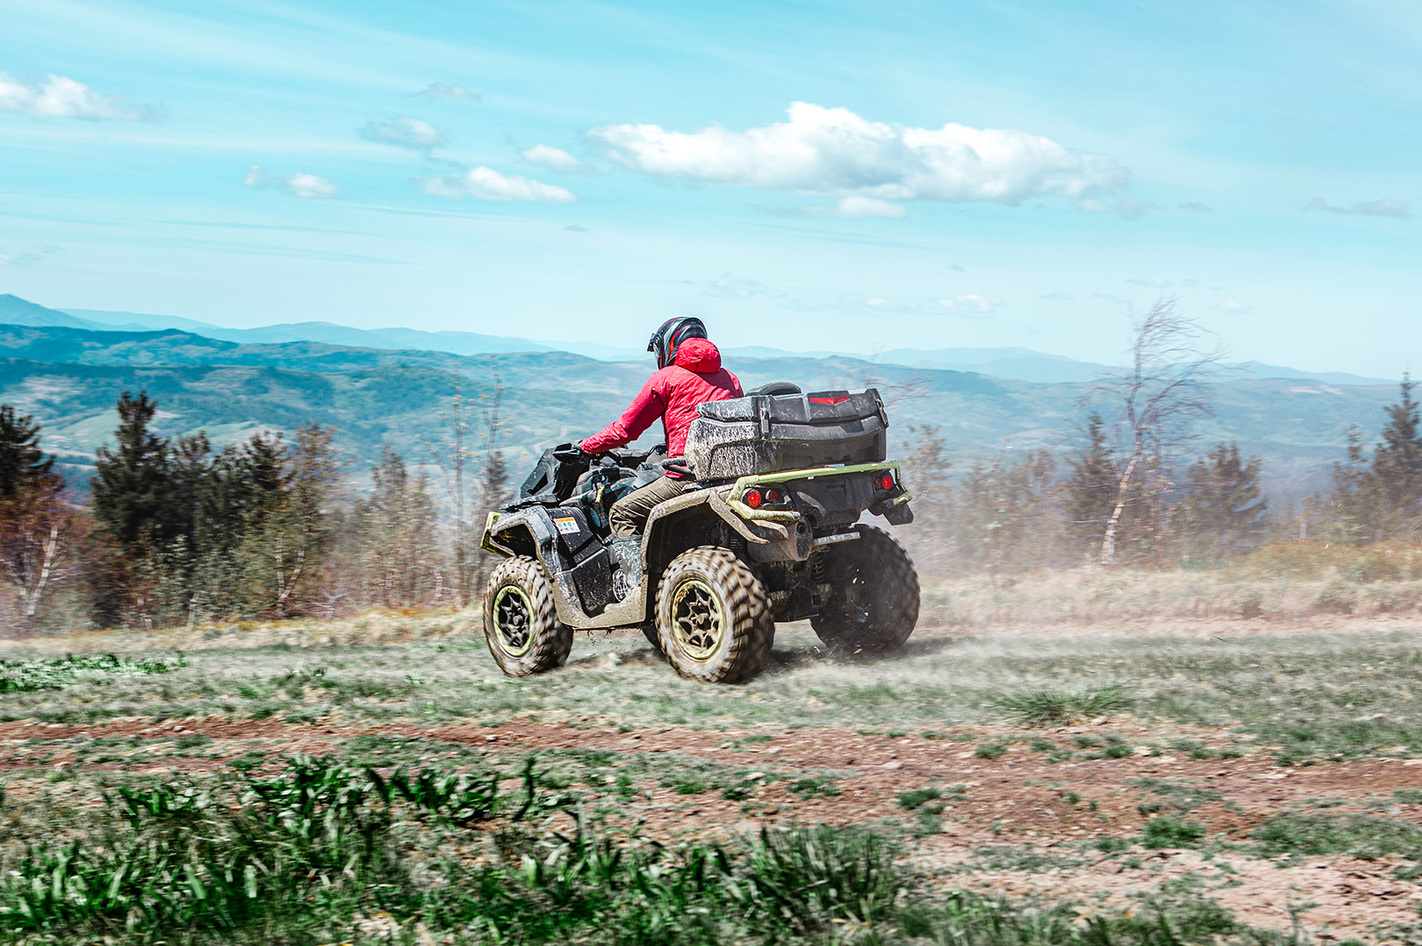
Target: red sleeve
[(649, 404), (736, 385)]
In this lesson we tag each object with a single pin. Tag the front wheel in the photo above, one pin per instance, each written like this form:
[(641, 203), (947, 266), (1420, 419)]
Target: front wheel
[(520, 623), (713, 617), (873, 604)]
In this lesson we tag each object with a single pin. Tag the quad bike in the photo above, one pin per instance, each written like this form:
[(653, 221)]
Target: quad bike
[(766, 529)]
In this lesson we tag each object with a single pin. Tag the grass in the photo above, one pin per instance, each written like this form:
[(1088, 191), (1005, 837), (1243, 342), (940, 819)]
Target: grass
[(310, 853), (1168, 832), (1362, 836), (437, 834), (56, 673), (1053, 707), (1315, 697)]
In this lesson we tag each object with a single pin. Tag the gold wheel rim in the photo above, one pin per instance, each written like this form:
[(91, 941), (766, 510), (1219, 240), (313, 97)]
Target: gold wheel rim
[(698, 619), (513, 620)]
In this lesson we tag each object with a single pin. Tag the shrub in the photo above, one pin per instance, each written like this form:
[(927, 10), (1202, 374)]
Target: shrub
[(914, 797), (1048, 707), (1166, 832)]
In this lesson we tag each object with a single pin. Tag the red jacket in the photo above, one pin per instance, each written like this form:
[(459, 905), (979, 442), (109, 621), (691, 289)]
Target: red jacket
[(694, 377)]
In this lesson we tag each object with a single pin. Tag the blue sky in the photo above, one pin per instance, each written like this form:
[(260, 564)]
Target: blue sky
[(804, 175)]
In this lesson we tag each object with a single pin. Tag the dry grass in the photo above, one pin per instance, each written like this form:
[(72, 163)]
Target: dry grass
[(1282, 583), (366, 628)]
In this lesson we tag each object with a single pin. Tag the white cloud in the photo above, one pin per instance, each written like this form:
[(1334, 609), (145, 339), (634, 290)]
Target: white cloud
[(555, 158), (1151, 282), (1382, 207), (403, 132), (971, 305), (855, 207), (34, 254), (1195, 206), (62, 97), (833, 151), (308, 185), (1235, 308), (729, 284), (298, 184), (487, 184), (441, 90)]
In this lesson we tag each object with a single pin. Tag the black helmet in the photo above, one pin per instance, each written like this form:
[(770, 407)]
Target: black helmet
[(667, 339)]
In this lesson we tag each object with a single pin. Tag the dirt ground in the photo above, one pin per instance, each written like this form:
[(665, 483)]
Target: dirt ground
[(1016, 824)]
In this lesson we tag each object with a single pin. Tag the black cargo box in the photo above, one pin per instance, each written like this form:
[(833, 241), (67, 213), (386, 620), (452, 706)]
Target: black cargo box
[(774, 433)]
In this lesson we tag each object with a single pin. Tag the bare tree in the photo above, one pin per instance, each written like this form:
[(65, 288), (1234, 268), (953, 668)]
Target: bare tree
[(471, 466), (1163, 389), (451, 457)]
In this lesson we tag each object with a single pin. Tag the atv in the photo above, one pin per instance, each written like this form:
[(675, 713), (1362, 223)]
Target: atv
[(766, 529)]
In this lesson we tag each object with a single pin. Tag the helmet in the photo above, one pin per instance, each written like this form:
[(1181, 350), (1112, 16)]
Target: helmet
[(667, 339)]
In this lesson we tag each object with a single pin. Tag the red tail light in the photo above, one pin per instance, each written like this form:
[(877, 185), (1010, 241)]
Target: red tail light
[(886, 480), (773, 496), (754, 498)]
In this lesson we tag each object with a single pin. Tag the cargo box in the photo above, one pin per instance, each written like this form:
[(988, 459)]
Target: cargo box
[(762, 433)]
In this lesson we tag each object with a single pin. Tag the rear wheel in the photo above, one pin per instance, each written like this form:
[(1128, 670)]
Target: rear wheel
[(520, 623), (714, 622), (874, 603)]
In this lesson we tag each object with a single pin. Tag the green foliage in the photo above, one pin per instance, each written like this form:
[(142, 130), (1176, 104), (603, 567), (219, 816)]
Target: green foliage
[(914, 797), (22, 463), (805, 878), (1224, 510), (26, 676), (389, 541), (1092, 487), (1168, 832), (989, 750), (1355, 835), (131, 484), (1052, 707)]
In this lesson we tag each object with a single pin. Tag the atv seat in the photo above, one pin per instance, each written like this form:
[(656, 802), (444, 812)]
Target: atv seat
[(776, 388)]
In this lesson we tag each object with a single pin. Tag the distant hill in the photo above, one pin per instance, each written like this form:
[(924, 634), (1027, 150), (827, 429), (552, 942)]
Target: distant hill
[(70, 378), (1015, 364), (457, 343), (17, 311)]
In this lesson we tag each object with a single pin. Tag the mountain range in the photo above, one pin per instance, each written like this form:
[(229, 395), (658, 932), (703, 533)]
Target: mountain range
[(68, 370), (1015, 364)]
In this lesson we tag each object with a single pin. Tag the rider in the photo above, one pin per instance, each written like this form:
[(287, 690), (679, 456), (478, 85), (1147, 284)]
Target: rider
[(689, 373)]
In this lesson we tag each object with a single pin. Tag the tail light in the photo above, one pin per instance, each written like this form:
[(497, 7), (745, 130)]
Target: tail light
[(753, 498), (773, 495), (885, 480)]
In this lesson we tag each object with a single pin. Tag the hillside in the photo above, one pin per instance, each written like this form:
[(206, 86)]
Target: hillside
[(69, 378)]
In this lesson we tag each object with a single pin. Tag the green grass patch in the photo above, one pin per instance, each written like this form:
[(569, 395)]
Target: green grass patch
[(1362, 836), (1053, 707), (916, 797), (28, 676), (990, 750), (1168, 832)]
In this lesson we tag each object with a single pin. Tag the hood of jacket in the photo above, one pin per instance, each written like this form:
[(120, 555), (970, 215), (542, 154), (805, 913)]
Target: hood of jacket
[(699, 355)]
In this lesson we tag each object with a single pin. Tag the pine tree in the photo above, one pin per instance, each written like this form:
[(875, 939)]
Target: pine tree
[(23, 465), (132, 485), (1397, 464), (398, 536), (1225, 510), (1092, 488)]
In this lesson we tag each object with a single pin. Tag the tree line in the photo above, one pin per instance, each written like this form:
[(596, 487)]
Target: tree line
[(1129, 491), (176, 532)]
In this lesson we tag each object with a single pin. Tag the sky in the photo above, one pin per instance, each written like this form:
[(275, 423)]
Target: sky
[(846, 176)]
